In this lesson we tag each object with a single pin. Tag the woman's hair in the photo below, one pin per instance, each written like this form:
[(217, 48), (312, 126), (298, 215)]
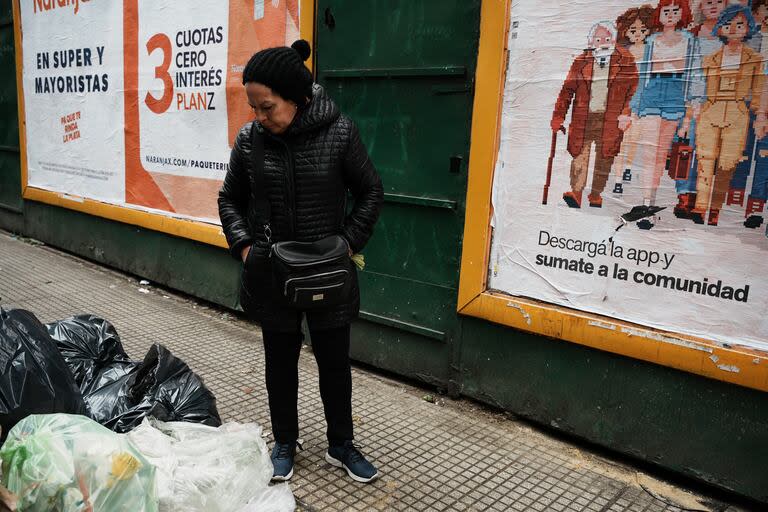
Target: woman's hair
[(643, 13), (685, 18), (756, 4), (729, 14)]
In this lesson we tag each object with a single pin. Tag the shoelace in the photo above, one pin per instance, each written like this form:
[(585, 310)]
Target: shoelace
[(354, 453), (284, 451)]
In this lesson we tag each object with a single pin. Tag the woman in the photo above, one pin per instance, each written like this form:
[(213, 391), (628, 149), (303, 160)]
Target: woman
[(735, 83), (707, 44), (312, 157), (633, 28), (669, 66)]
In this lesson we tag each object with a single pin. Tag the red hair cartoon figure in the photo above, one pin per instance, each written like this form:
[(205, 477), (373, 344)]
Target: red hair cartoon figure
[(634, 27)]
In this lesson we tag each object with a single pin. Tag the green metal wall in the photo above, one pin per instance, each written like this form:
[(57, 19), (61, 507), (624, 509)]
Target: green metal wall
[(698, 427), (703, 428), (407, 82)]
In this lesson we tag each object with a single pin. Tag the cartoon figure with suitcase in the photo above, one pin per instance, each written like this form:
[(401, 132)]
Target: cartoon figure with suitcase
[(598, 87), (683, 166), (668, 71)]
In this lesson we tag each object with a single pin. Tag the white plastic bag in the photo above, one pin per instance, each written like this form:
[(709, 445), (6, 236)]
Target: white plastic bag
[(207, 469)]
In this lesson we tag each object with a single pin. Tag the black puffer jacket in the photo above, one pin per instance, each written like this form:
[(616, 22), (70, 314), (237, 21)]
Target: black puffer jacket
[(308, 171)]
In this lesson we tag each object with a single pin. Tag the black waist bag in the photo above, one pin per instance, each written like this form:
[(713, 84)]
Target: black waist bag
[(312, 275), (306, 275)]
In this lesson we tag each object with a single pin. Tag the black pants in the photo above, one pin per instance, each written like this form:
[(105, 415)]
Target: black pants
[(331, 349)]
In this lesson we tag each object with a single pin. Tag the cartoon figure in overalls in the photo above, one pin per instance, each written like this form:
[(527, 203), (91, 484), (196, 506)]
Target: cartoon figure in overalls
[(734, 83), (707, 44)]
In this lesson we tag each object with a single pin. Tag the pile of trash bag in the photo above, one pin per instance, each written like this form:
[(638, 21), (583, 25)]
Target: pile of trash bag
[(118, 392), (72, 464), (90, 430), (34, 378), (68, 463), (78, 366)]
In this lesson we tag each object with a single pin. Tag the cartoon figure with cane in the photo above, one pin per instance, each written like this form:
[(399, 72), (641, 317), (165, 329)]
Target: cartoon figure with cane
[(600, 84)]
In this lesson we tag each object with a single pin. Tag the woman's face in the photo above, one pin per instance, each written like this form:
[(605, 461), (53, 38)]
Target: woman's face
[(272, 111), (637, 32), (736, 29), (711, 9), (670, 15)]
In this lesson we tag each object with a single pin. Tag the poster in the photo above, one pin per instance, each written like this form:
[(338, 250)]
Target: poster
[(137, 102), (73, 94), (650, 120)]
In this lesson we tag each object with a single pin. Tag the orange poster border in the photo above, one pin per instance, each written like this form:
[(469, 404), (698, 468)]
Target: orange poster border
[(210, 234), (739, 365)]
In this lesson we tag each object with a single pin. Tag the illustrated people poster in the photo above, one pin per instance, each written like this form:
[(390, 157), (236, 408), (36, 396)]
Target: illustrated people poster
[(137, 102), (632, 174)]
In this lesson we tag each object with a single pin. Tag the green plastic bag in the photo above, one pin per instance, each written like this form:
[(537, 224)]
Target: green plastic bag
[(68, 463)]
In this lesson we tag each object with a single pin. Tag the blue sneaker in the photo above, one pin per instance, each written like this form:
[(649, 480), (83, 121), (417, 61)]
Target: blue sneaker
[(347, 456), (282, 461)]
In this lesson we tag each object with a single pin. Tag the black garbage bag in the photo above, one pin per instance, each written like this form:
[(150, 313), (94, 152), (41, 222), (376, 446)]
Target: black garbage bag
[(162, 386), (119, 392), (34, 378), (92, 349)]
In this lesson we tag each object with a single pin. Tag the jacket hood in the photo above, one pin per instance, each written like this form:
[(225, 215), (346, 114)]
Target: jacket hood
[(318, 113)]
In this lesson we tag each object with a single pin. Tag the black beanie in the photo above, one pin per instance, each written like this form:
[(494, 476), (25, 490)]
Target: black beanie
[(282, 69)]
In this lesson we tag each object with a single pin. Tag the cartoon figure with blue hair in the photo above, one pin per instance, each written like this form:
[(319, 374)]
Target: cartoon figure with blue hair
[(734, 83)]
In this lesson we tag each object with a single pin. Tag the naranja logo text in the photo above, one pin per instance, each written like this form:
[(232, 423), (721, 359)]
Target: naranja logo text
[(49, 5)]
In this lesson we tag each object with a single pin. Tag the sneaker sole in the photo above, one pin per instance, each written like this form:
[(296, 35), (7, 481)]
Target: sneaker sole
[(338, 464), (283, 478), (571, 202)]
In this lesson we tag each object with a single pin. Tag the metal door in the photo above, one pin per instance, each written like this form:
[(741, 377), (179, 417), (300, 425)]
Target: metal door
[(403, 70)]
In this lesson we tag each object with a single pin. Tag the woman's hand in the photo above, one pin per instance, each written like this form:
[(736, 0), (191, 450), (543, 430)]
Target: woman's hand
[(624, 122), (245, 252)]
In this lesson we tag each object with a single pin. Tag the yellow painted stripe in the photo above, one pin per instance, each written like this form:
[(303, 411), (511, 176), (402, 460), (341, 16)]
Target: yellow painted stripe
[(20, 92), (489, 89), (307, 10), (738, 365), (198, 231)]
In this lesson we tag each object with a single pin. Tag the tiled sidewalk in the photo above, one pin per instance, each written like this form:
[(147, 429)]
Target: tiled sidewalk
[(452, 455)]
